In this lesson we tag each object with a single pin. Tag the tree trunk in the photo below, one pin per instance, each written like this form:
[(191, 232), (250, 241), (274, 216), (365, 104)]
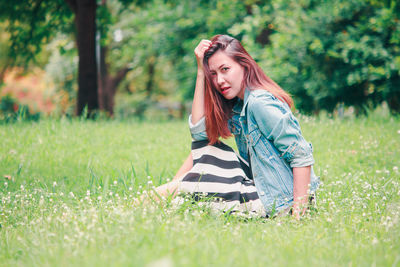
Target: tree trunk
[(108, 84), (103, 73), (151, 71), (394, 103), (141, 107), (85, 22)]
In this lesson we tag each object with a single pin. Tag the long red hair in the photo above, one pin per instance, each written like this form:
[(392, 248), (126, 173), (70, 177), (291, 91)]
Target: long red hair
[(218, 110)]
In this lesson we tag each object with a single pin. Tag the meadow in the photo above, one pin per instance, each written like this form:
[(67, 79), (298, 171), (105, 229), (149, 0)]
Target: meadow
[(67, 189)]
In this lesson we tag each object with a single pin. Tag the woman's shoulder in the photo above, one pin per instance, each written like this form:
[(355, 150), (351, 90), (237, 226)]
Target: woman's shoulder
[(260, 93), (261, 99)]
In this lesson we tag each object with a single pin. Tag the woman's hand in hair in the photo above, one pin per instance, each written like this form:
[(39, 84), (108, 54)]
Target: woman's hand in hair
[(199, 52)]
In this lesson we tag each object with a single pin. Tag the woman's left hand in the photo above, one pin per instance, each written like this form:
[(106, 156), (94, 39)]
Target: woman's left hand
[(299, 209)]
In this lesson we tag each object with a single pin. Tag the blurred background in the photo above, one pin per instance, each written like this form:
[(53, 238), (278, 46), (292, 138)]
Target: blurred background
[(127, 58)]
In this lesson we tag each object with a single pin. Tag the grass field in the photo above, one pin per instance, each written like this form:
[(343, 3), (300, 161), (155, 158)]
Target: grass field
[(67, 190)]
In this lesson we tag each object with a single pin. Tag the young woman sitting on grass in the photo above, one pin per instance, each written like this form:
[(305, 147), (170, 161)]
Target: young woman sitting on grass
[(273, 172)]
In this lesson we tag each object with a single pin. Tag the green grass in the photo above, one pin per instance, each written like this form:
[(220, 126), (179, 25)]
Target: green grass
[(67, 199)]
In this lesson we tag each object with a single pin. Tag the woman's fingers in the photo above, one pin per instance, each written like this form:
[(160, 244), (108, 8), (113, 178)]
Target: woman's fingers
[(201, 48)]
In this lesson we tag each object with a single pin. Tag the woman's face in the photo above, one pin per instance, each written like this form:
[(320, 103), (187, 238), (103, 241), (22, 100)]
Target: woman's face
[(227, 75)]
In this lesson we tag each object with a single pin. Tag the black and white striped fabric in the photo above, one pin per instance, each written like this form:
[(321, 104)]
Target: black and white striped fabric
[(219, 173)]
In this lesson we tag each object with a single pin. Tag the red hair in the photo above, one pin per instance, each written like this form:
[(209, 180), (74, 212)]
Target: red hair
[(218, 110)]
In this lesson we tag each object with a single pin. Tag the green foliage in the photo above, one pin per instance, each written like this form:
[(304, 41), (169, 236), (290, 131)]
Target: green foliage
[(330, 52), (31, 24), (171, 32), (8, 107), (11, 110), (325, 53), (62, 70)]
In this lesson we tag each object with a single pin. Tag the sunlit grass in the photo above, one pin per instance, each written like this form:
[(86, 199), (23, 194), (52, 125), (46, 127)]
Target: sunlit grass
[(67, 194)]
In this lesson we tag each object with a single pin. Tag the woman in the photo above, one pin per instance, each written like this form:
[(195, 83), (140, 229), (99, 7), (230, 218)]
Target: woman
[(233, 96)]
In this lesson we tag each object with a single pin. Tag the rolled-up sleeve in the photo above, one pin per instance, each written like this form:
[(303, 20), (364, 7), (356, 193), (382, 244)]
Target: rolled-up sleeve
[(198, 130), (278, 125)]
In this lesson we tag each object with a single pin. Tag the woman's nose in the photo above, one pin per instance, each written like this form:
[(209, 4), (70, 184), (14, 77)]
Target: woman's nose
[(220, 80)]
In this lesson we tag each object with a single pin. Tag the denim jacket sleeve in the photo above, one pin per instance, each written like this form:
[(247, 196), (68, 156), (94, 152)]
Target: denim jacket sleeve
[(277, 123), (198, 130)]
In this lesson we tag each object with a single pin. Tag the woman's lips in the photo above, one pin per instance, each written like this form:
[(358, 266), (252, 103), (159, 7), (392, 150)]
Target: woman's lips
[(224, 90)]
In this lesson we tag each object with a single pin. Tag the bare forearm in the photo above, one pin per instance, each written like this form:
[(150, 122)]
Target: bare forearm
[(198, 99), (301, 182)]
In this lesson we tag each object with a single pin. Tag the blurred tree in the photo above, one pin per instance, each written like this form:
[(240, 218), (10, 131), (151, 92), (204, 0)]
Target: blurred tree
[(168, 31), (4, 47), (61, 71), (323, 52), (29, 26), (157, 41), (331, 52), (32, 24)]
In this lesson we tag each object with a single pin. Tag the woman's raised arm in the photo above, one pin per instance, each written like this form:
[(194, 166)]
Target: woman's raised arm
[(198, 99)]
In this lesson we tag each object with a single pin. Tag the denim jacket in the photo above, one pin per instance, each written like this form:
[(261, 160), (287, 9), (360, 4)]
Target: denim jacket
[(267, 134)]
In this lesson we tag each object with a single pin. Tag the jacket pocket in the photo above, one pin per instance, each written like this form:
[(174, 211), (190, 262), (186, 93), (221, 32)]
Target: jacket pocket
[(254, 137)]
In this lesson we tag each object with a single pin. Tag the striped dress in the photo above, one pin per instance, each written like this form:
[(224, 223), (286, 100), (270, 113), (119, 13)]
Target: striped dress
[(224, 178)]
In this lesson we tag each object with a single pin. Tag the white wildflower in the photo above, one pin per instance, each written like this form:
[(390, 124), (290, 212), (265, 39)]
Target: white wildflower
[(115, 182), (54, 184)]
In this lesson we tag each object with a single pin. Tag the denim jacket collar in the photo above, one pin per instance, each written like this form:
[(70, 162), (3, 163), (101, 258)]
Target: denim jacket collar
[(237, 108), (245, 101)]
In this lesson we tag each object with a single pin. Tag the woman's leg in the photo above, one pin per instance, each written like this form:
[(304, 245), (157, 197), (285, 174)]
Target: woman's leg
[(170, 188)]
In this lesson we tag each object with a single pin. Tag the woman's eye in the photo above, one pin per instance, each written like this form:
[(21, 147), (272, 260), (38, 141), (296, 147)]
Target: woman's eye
[(225, 69)]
